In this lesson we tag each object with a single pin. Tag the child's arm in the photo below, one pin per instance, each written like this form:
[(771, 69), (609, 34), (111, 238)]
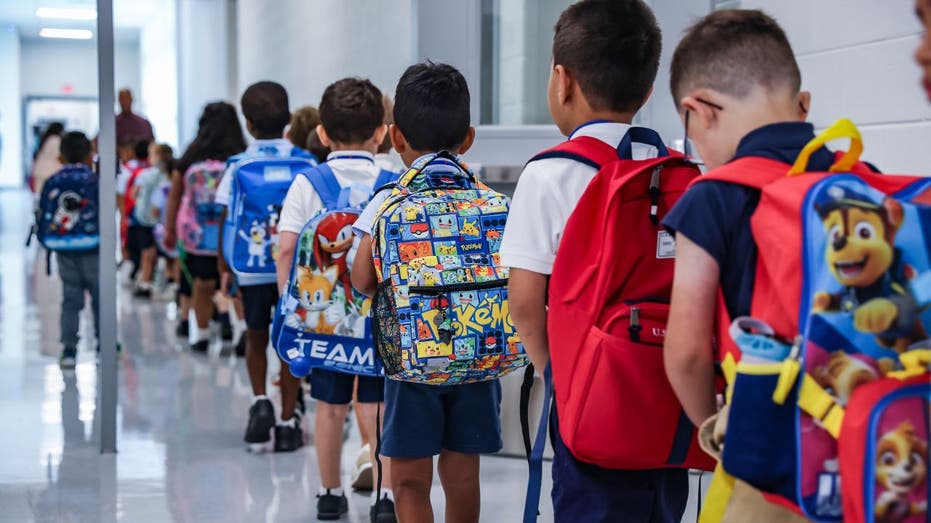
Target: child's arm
[(363, 275), (171, 210), (287, 242), (688, 351), (226, 276), (527, 301)]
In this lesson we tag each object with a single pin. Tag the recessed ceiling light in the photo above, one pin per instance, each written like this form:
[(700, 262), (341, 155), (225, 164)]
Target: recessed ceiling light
[(74, 34), (67, 13)]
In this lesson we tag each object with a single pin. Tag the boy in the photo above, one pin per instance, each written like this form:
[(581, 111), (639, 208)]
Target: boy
[(140, 239), (736, 84), (265, 107), (351, 117), (923, 53), (79, 271), (458, 422), (605, 57)]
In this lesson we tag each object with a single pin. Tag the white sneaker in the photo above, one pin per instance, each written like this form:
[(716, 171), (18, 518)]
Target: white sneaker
[(363, 478)]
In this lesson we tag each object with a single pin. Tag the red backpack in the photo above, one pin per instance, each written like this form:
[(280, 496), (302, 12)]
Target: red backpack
[(609, 298)]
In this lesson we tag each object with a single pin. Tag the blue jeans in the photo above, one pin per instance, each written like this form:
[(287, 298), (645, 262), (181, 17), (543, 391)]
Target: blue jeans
[(79, 272)]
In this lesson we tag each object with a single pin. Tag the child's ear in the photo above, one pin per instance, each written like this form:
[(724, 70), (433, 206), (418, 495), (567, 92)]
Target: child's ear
[(324, 137), (61, 160), (804, 104), (398, 141), (379, 136), (701, 114), (564, 83), (469, 140)]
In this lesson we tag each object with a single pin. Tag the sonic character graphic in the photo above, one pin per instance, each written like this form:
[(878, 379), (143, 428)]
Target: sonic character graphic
[(901, 469), (862, 256), (258, 240)]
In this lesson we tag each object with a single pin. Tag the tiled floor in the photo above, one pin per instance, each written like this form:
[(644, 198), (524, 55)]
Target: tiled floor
[(180, 422)]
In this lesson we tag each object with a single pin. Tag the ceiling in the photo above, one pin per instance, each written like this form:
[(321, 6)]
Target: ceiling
[(129, 16)]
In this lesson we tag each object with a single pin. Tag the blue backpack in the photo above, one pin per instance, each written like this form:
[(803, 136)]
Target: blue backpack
[(67, 214), (259, 185), (322, 321)]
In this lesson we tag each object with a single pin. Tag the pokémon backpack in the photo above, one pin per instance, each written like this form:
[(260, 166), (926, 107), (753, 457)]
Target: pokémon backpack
[(198, 222), (837, 345), (259, 185), (441, 309), (321, 321), (67, 216)]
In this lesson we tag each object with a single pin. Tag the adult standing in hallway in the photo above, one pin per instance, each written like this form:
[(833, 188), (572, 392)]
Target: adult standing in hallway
[(131, 127), (46, 163)]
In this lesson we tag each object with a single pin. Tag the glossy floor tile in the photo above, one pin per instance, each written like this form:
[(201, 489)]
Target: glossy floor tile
[(180, 422)]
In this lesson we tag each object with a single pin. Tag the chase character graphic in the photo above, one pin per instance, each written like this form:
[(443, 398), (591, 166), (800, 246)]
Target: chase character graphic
[(257, 240), (901, 471), (68, 213), (862, 256)]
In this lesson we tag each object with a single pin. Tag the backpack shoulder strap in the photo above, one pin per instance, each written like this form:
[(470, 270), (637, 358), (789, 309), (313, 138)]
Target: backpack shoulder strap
[(325, 183), (385, 177), (752, 172), (584, 149)]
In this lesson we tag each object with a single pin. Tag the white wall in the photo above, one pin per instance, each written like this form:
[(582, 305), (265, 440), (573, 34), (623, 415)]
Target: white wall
[(856, 59), (48, 65), (159, 74), (307, 45), (11, 170)]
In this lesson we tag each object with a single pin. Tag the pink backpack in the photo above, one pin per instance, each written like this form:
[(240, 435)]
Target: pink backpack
[(199, 215)]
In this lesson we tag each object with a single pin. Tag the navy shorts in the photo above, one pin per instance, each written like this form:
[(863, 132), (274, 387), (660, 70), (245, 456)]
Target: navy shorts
[(584, 492), (423, 420), (336, 388), (201, 267), (259, 301)]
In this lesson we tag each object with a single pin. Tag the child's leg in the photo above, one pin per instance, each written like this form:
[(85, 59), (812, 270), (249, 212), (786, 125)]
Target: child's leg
[(69, 270), (257, 305), (92, 284), (333, 392), (256, 359), (370, 399), (289, 389), (459, 476), (149, 258), (411, 480), (203, 301)]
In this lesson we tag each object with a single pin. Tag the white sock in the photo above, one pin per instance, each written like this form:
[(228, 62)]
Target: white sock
[(338, 491), (288, 423), (256, 399), (385, 493), (203, 334)]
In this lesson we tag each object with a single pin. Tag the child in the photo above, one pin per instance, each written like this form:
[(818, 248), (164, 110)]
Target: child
[(265, 107), (219, 137), (146, 213), (304, 122), (351, 118), (735, 82), (605, 57), (457, 422), (923, 53), (79, 271), (387, 158), (140, 239)]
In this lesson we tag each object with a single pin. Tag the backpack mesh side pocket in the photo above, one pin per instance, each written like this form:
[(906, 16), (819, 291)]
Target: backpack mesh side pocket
[(387, 332)]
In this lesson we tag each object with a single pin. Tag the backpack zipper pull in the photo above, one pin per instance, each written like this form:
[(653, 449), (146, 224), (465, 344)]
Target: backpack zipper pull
[(654, 195), (634, 328)]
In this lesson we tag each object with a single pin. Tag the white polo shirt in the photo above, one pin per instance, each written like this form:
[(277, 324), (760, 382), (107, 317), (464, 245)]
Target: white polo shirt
[(547, 193), (354, 169)]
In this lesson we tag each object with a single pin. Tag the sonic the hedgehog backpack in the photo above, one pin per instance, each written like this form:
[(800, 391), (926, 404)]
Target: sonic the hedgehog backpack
[(441, 309), (259, 185), (321, 321), (837, 348)]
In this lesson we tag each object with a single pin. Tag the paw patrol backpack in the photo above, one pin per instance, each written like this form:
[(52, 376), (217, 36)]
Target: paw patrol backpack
[(322, 322), (67, 214), (198, 222), (837, 348), (441, 309), (259, 185)]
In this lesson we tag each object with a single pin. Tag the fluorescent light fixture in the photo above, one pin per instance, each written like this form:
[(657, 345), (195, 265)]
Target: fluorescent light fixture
[(67, 13), (73, 34)]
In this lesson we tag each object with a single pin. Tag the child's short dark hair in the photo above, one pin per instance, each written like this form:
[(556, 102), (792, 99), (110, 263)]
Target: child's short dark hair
[(432, 107), (141, 149), (732, 51), (612, 48), (265, 105), (351, 110), (75, 147)]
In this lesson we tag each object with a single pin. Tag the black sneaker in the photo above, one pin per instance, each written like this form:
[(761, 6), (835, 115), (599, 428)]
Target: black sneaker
[(383, 511), (226, 331), (261, 421), (288, 438), (201, 346), (331, 507), (240, 348), (142, 292), (184, 329)]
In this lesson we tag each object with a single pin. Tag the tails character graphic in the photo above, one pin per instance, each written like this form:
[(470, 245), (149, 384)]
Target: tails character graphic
[(317, 312)]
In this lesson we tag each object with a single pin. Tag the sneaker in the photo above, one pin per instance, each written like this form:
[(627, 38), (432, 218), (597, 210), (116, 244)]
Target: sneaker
[(331, 507), (201, 346), (383, 511), (240, 348), (144, 290), (184, 329), (363, 479), (288, 437), (68, 359), (261, 422)]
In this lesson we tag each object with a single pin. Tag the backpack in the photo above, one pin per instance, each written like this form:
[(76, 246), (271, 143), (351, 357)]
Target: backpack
[(322, 321), (840, 305), (67, 216), (149, 182), (129, 197), (259, 185), (608, 303), (441, 308), (198, 221)]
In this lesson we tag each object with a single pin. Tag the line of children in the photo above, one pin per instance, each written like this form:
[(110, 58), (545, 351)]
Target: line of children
[(351, 125)]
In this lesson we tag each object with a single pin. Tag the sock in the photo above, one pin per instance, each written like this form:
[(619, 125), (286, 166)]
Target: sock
[(224, 318), (203, 334), (258, 398), (385, 493), (288, 423), (338, 491)]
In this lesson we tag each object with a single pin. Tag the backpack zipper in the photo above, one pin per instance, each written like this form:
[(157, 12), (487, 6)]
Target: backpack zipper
[(458, 287)]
